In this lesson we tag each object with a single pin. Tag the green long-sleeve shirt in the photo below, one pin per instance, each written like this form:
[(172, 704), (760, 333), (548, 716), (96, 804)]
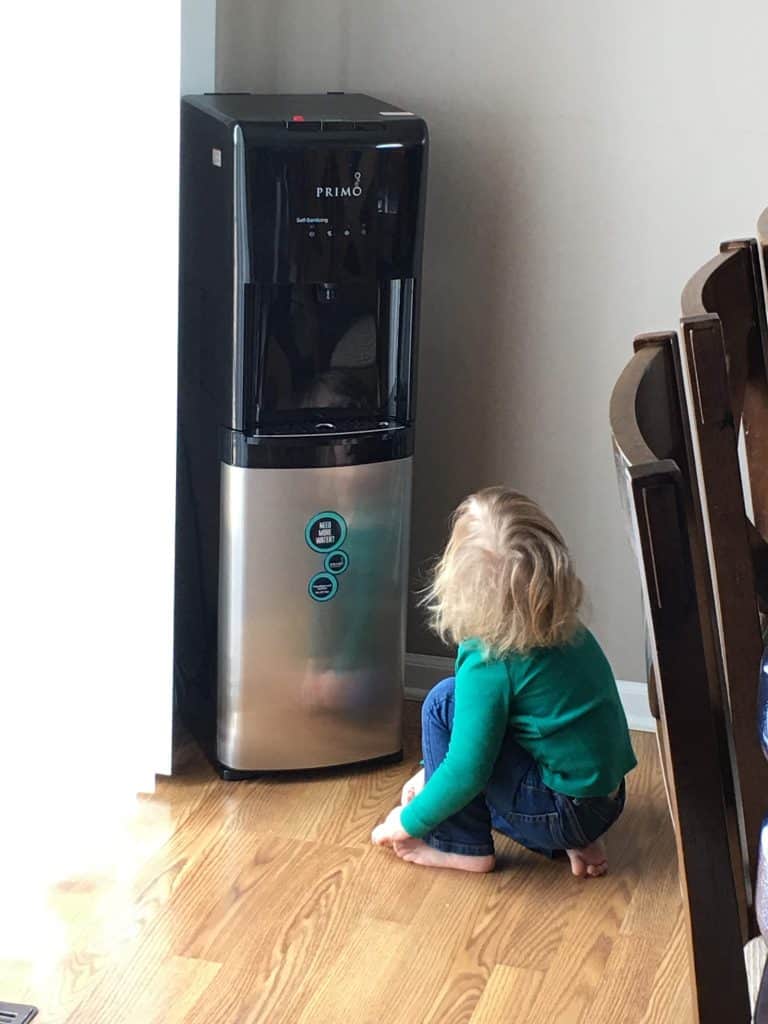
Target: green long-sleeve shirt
[(560, 703)]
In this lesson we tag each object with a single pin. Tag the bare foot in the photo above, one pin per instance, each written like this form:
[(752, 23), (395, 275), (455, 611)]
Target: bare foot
[(416, 851), (589, 862), (412, 788)]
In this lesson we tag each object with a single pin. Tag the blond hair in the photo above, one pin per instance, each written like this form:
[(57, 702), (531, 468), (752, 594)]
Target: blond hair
[(505, 578)]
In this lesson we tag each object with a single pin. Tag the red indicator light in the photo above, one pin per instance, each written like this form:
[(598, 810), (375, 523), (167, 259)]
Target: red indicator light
[(297, 117)]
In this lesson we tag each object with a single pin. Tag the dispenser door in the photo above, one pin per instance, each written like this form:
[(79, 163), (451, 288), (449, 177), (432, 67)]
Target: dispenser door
[(312, 599), (328, 234)]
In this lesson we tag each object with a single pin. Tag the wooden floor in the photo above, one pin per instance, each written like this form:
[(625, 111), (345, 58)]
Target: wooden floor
[(236, 903)]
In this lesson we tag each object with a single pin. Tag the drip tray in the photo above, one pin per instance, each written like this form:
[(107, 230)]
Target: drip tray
[(329, 427), (16, 1013)]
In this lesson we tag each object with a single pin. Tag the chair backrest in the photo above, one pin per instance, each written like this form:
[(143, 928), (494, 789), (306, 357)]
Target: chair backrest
[(661, 414), (723, 366), (730, 285), (646, 428), (732, 571)]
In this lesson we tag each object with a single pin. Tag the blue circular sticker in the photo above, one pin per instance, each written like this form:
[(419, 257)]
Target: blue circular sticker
[(325, 532), (323, 587), (337, 562)]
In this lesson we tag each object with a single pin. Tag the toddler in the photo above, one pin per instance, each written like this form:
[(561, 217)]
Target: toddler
[(530, 737)]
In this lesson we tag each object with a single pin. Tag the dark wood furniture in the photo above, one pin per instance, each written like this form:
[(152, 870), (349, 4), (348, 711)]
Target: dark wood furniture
[(673, 435), (649, 438), (725, 341), (738, 634), (730, 285)]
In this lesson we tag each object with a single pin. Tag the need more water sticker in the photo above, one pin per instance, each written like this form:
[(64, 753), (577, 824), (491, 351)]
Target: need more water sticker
[(325, 533)]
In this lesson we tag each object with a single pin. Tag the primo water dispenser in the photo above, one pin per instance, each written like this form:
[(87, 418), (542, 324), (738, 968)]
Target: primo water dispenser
[(301, 235)]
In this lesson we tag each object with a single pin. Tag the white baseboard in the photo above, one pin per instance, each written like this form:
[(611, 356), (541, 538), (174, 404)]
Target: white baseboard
[(422, 671), (634, 697)]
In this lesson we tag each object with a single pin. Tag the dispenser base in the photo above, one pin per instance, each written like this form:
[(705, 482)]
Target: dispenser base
[(236, 775)]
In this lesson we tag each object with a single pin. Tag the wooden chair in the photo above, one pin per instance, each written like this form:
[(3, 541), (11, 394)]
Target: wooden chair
[(647, 430), (661, 398), (730, 285), (727, 535)]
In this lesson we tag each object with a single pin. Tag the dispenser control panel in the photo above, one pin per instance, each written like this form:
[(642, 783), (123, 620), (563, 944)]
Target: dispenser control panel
[(333, 212)]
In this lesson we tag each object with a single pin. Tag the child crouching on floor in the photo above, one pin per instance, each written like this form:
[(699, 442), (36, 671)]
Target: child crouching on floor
[(530, 737)]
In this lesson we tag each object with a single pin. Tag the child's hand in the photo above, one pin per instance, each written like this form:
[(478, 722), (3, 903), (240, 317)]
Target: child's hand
[(390, 830), (412, 788)]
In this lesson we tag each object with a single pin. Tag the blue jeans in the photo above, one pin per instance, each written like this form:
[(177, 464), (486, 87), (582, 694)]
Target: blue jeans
[(515, 802)]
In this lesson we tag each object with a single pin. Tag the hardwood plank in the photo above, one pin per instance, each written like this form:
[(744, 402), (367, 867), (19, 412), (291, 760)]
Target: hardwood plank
[(379, 952), (427, 953), (574, 974), (329, 927), (645, 785), (172, 991), (275, 885), (390, 889), (627, 982), (671, 1000), (86, 924), (648, 915), (525, 884), (357, 805), (455, 935), (130, 966), (508, 995), (276, 927)]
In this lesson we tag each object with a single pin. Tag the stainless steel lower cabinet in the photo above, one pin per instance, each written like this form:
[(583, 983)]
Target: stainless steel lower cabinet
[(312, 601)]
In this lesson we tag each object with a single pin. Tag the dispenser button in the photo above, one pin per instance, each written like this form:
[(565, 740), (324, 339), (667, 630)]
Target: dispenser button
[(329, 232)]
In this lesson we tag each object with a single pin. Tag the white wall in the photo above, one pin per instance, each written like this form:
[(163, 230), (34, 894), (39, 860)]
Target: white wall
[(87, 412), (586, 158)]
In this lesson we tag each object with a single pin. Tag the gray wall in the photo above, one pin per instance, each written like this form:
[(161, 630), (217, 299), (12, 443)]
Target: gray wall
[(246, 45), (198, 45), (585, 160)]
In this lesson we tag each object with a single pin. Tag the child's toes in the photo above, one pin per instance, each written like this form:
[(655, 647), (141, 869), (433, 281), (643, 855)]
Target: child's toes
[(597, 870), (578, 866)]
